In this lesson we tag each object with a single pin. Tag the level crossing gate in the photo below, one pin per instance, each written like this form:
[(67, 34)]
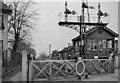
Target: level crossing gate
[(62, 69)]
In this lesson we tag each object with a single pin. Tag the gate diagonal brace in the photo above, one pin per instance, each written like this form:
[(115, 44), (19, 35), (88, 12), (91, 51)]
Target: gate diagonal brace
[(111, 65), (41, 71), (35, 66), (73, 68), (59, 70), (107, 65), (55, 67), (99, 66), (46, 71), (87, 71), (104, 65), (95, 67), (88, 63)]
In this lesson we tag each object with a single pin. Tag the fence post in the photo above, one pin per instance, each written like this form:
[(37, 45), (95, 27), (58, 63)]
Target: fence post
[(66, 68), (50, 77), (112, 59), (24, 65), (30, 70)]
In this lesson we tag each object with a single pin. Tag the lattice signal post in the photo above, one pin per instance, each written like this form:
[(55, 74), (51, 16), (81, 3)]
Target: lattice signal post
[(82, 26)]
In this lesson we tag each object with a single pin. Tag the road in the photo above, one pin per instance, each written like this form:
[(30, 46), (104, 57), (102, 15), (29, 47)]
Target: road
[(99, 77), (96, 77)]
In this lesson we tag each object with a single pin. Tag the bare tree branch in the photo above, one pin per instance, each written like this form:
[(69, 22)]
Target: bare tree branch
[(20, 21)]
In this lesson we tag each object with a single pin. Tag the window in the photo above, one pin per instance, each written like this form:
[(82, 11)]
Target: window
[(96, 44), (75, 46), (109, 44), (89, 44), (104, 44)]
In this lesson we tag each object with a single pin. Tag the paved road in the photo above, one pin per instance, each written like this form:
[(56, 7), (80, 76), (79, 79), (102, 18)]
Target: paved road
[(17, 77), (99, 77), (96, 77)]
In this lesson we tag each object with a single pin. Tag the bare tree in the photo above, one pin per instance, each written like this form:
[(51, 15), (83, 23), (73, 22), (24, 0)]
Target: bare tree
[(20, 21)]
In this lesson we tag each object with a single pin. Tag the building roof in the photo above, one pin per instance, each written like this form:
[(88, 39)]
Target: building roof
[(66, 49), (96, 28), (4, 8)]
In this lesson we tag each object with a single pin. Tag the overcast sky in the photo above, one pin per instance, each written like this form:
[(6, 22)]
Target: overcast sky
[(48, 31)]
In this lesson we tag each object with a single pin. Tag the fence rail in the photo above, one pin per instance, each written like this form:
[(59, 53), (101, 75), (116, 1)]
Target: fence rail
[(56, 69)]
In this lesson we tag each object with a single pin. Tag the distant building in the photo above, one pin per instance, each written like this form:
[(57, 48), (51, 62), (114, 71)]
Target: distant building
[(55, 55), (66, 53)]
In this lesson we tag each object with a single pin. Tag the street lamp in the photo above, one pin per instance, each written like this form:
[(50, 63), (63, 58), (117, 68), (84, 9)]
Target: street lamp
[(29, 57)]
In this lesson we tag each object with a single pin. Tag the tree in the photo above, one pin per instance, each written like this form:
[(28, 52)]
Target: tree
[(26, 46), (20, 21)]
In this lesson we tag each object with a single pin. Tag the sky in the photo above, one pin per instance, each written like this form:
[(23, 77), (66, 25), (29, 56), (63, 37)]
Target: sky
[(47, 30)]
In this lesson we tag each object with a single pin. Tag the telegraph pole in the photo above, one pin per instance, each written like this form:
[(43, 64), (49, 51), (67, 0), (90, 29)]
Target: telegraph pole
[(80, 34), (66, 16), (99, 13)]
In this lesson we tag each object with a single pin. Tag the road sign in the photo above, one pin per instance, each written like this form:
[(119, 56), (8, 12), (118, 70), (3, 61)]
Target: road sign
[(80, 67)]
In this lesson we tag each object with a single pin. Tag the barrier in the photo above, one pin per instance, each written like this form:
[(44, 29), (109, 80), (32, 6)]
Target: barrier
[(36, 70), (59, 69), (80, 67)]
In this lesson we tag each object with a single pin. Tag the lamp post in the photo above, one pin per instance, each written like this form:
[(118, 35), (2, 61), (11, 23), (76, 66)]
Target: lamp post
[(28, 62)]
